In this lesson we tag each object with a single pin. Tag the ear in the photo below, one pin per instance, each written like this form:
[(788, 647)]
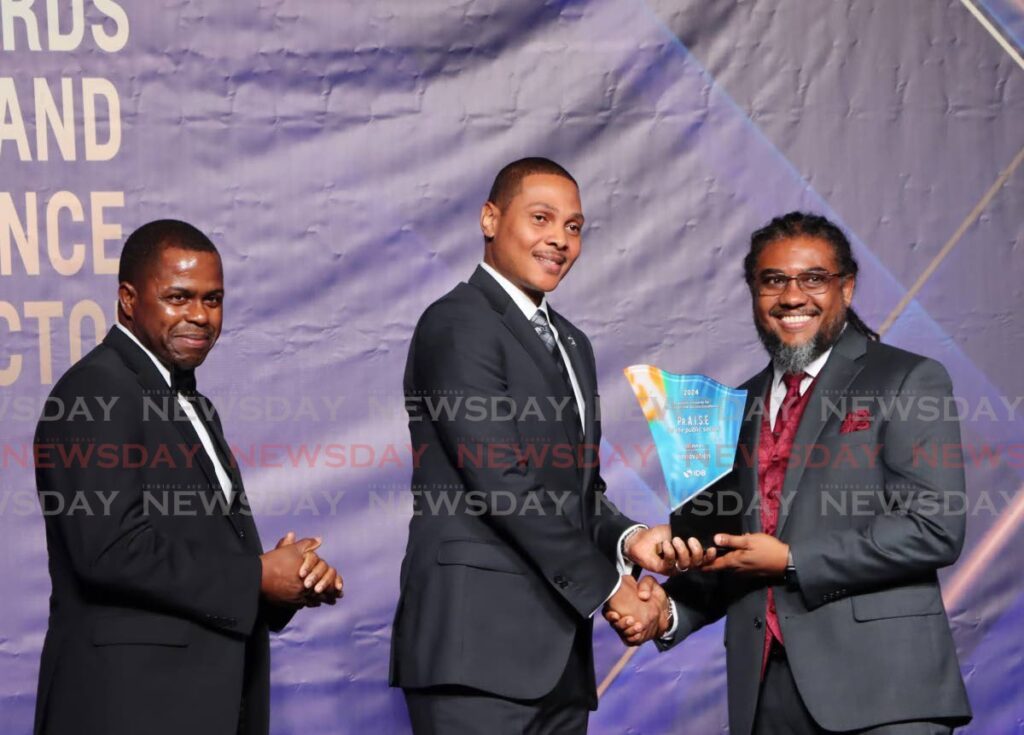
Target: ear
[(849, 284), (126, 296), (490, 215)]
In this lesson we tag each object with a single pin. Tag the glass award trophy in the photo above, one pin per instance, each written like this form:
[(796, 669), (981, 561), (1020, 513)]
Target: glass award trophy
[(695, 422)]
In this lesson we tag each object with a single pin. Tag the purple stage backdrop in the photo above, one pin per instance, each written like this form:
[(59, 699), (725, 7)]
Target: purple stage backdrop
[(338, 154)]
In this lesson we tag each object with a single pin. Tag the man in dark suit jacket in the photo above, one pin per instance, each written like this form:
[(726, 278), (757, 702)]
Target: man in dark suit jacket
[(834, 617), (512, 547), (162, 595)]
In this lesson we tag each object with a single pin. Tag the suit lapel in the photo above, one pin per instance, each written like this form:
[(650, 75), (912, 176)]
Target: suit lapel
[(750, 440), (208, 415), (582, 367), (156, 389), (833, 380), (521, 328)]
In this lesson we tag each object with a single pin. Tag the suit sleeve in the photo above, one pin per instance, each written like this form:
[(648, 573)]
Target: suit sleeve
[(700, 598), (455, 353), (925, 529), (607, 523), (276, 616), (114, 549)]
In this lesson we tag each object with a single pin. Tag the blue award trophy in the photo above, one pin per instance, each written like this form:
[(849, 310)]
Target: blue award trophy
[(695, 422)]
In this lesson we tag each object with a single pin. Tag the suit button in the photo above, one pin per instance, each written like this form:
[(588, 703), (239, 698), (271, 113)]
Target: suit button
[(561, 582), (757, 623)]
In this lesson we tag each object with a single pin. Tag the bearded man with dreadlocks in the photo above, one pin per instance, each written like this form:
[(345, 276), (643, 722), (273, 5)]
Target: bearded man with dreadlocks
[(834, 616)]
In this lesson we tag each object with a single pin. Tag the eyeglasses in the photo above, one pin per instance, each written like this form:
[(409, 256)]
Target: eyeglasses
[(812, 283)]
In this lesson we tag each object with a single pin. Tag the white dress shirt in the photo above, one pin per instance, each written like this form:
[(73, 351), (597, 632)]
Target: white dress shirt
[(529, 309), (778, 393), (526, 305), (204, 436)]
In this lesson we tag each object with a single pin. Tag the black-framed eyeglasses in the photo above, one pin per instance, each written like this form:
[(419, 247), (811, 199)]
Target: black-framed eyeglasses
[(812, 283)]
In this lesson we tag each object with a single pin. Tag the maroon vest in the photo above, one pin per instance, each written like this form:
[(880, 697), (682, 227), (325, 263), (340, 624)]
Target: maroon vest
[(773, 453)]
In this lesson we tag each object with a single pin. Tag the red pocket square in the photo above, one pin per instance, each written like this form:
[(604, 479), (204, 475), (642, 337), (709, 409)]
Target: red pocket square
[(856, 421)]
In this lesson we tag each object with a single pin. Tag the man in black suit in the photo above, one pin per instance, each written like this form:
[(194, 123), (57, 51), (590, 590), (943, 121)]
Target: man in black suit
[(853, 474), (162, 595), (512, 547)]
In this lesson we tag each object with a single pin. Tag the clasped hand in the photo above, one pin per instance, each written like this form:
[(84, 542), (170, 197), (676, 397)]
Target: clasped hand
[(638, 611), (294, 575)]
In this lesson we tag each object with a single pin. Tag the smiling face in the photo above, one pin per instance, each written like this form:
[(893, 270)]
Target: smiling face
[(176, 309), (796, 327), (534, 240)]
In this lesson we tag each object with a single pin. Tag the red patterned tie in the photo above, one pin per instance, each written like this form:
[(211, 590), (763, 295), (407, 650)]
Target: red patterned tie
[(792, 381), (772, 494)]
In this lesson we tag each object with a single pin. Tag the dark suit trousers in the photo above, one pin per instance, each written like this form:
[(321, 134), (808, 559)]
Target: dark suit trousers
[(781, 711), (457, 710)]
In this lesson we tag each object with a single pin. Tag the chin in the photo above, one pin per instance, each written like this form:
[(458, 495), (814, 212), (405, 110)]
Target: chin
[(190, 362), (541, 285), (798, 340)]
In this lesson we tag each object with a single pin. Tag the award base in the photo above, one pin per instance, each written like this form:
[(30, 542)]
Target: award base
[(708, 513)]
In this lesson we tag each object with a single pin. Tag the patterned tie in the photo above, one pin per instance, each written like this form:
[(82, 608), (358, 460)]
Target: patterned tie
[(771, 495), (540, 326), (792, 381), (543, 330)]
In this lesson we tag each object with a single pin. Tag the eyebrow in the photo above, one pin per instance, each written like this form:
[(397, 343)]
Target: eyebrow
[(174, 290), (553, 208), (813, 268)]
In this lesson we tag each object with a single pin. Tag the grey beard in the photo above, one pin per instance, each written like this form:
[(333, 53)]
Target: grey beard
[(791, 359), (796, 359)]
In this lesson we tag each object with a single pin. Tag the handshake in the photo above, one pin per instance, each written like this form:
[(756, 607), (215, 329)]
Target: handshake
[(294, 576), (639, 610)]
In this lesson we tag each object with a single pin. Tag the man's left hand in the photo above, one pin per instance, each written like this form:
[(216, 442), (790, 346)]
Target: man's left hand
[(322, 582), (758, 554)]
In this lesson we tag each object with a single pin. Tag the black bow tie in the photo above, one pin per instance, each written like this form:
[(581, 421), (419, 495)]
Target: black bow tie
[(183, 381)]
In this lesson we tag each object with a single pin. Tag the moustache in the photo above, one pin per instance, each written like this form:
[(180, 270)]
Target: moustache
[(794, 312)]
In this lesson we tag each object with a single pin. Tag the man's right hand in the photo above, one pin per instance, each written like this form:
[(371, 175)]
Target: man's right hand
[(657, 551), (638, 611), (684, 556), (283, 579)]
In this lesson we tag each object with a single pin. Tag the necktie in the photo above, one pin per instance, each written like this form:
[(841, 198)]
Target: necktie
[(543, 330), (183, 382), (792, 381), (771, 492)]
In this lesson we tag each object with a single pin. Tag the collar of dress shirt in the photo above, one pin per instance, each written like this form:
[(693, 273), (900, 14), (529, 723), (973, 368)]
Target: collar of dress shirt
[(812, 369), (159, 365), (524, 302)]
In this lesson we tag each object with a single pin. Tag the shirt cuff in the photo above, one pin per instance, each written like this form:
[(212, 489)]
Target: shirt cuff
[(671, 632), (624, 565), (614, 590)]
